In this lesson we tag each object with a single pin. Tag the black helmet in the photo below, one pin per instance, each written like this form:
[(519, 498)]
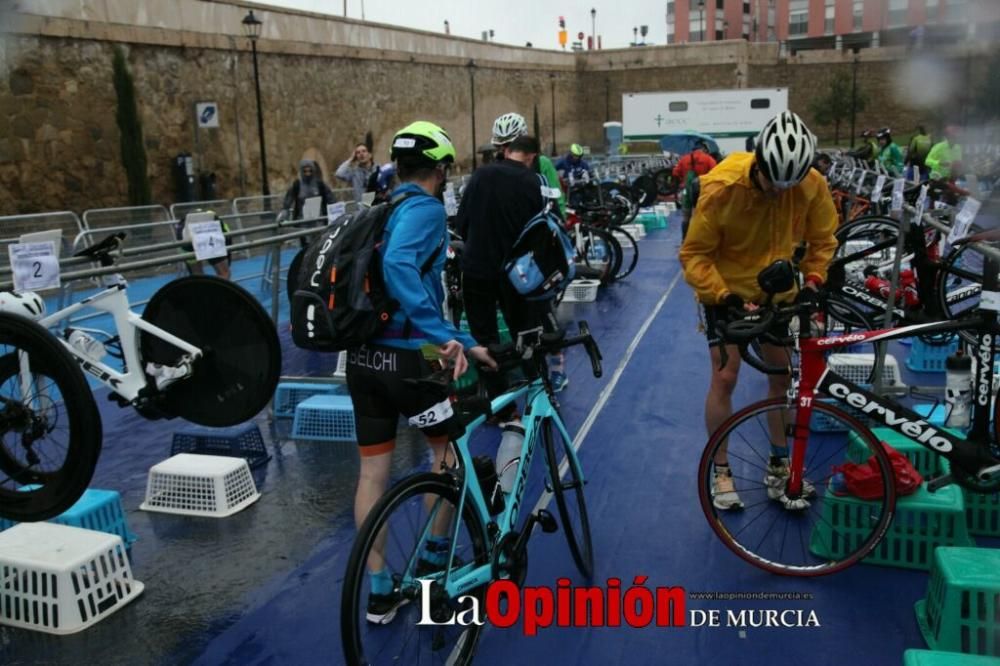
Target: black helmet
[(884, 133)]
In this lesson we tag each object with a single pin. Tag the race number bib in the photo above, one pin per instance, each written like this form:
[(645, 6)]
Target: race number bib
[(432, 416), (208, 241), (35, 266), (898, 186)]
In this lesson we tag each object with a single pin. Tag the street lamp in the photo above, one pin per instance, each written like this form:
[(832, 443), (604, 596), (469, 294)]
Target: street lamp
[(635, 36), (251, 26), (552, 84), (593, 28), (701, 29), (472, 105)]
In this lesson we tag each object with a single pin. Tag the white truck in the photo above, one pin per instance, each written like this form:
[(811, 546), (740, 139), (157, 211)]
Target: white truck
[(728, 116)]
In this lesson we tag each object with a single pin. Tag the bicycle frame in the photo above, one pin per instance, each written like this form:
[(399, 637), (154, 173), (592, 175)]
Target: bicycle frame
[(539, 407), (114, 301), (966, 453)]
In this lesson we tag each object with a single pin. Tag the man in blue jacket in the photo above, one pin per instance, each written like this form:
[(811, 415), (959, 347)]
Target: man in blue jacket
[(417, 337)]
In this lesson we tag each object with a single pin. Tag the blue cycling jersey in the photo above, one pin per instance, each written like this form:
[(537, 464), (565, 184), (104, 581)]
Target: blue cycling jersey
[(413, 233)]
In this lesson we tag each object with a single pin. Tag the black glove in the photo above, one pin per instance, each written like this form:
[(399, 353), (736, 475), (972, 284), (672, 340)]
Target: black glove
[(807, 296), (733, 302)]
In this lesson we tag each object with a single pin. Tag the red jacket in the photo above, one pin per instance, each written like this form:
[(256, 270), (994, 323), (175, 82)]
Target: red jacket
[(697, 160)]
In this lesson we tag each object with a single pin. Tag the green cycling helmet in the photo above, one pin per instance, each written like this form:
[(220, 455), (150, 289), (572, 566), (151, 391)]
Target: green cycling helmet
[(576, 149), (423, 139)]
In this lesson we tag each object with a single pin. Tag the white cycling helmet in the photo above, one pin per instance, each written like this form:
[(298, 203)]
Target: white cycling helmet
[(785, 149), (27, 304), (508, 127)]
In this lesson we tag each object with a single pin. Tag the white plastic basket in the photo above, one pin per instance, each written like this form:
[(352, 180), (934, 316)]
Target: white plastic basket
[(858, 368), (198, 485), (582, 291), (636, 231), (60, 579)]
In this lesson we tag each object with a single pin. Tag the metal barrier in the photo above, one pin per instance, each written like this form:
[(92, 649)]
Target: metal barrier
[(118, 218), (12, 227), (179, 211), (251, 212)]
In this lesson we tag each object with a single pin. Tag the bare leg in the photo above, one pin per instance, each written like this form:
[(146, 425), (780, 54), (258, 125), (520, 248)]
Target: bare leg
[(777, 387), (372, 483), (719, 401)]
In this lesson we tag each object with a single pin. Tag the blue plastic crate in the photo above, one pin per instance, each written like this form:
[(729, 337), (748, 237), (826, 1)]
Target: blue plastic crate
[(244, 441), (930, 358), (98, 510), (822, 422), (327, 418), (290, 394)]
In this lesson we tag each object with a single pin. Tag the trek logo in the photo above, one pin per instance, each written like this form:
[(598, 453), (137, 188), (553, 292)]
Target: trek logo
[(985, 353), (321, 257), (919, 430), (103, 375), (841, 339)]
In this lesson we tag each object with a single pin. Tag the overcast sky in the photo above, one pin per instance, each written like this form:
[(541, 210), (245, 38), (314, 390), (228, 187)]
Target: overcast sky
[(513, 21)]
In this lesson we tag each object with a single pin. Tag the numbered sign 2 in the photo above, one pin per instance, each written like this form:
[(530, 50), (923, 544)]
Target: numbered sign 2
[(35, 266)]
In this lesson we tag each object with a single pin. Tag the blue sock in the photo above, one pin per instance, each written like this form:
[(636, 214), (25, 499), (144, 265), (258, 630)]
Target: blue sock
[(436, 550), (381, 582)]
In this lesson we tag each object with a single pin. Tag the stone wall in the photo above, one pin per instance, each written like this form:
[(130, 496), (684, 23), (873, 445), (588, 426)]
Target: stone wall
[(59, 141)]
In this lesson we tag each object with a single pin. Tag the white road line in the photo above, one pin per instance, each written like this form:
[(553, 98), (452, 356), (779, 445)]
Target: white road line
[(605, 395)]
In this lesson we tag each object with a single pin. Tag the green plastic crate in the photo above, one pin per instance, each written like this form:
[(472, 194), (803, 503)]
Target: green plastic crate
[(982, 513), (937, 658), (962, 610), (923, 521), (651, 221), (926, 462)]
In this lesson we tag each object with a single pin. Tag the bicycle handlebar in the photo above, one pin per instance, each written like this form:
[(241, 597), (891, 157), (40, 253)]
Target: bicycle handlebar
[(751, 325)]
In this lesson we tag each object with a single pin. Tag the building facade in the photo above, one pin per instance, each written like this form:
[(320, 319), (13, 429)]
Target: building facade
[(831, 23)]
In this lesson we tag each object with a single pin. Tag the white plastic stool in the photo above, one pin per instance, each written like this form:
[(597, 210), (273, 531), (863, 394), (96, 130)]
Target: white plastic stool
[(197, 485)]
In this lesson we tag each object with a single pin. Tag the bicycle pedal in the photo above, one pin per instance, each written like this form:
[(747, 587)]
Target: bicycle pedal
[(939, 482), (547, 521)]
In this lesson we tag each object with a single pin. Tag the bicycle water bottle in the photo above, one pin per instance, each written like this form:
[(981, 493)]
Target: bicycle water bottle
[(87, 345), (509, 455), (958, 389), (487, 475)]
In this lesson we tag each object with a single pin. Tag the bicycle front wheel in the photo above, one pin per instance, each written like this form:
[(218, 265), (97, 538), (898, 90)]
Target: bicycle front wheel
[(379, 613), (815, 532), (50, 429), (241, 361), (569, 495)]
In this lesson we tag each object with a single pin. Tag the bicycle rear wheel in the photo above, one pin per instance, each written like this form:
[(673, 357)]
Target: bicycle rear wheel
[(569, 495), (959, 284), (629, 253), (826, 534), (241, 362), (394, 537), (50, 429)]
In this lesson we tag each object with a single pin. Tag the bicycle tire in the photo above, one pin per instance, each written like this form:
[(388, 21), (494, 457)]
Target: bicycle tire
[(31, 491), (353, 599), (608, 261), (577, 530), (629, 253), (825, 555), (972, 263), (241, 364)]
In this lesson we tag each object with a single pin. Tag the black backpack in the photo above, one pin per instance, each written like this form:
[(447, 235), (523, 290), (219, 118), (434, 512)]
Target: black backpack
[(340, 300)]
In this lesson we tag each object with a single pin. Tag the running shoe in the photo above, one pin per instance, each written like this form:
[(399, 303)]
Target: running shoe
[(724, 496), (559, 380), (776, 479), (382, 607)]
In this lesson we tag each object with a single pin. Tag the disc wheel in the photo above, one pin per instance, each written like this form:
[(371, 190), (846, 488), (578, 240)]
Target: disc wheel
[(568, 490), (50, 429), (241, 356), (811, 533)]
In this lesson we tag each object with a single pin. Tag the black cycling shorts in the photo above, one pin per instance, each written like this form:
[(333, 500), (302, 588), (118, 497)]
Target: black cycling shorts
[(375, 375)]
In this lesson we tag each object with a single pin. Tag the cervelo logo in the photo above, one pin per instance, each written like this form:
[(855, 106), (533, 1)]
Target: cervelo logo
[(841, 339), (985, 353), (919, 430)]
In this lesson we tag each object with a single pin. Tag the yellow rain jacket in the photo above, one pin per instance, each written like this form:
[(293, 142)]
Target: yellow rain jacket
[(737, 230)]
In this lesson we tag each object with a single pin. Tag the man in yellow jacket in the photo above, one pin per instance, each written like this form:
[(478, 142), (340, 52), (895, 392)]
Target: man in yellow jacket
[(754, 208)]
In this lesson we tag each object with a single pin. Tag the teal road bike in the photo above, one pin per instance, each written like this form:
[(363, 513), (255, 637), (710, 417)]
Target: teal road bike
[(445, 536)]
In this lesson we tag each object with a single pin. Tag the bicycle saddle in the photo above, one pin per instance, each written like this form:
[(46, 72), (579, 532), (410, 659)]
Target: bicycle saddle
[(102, 249)]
